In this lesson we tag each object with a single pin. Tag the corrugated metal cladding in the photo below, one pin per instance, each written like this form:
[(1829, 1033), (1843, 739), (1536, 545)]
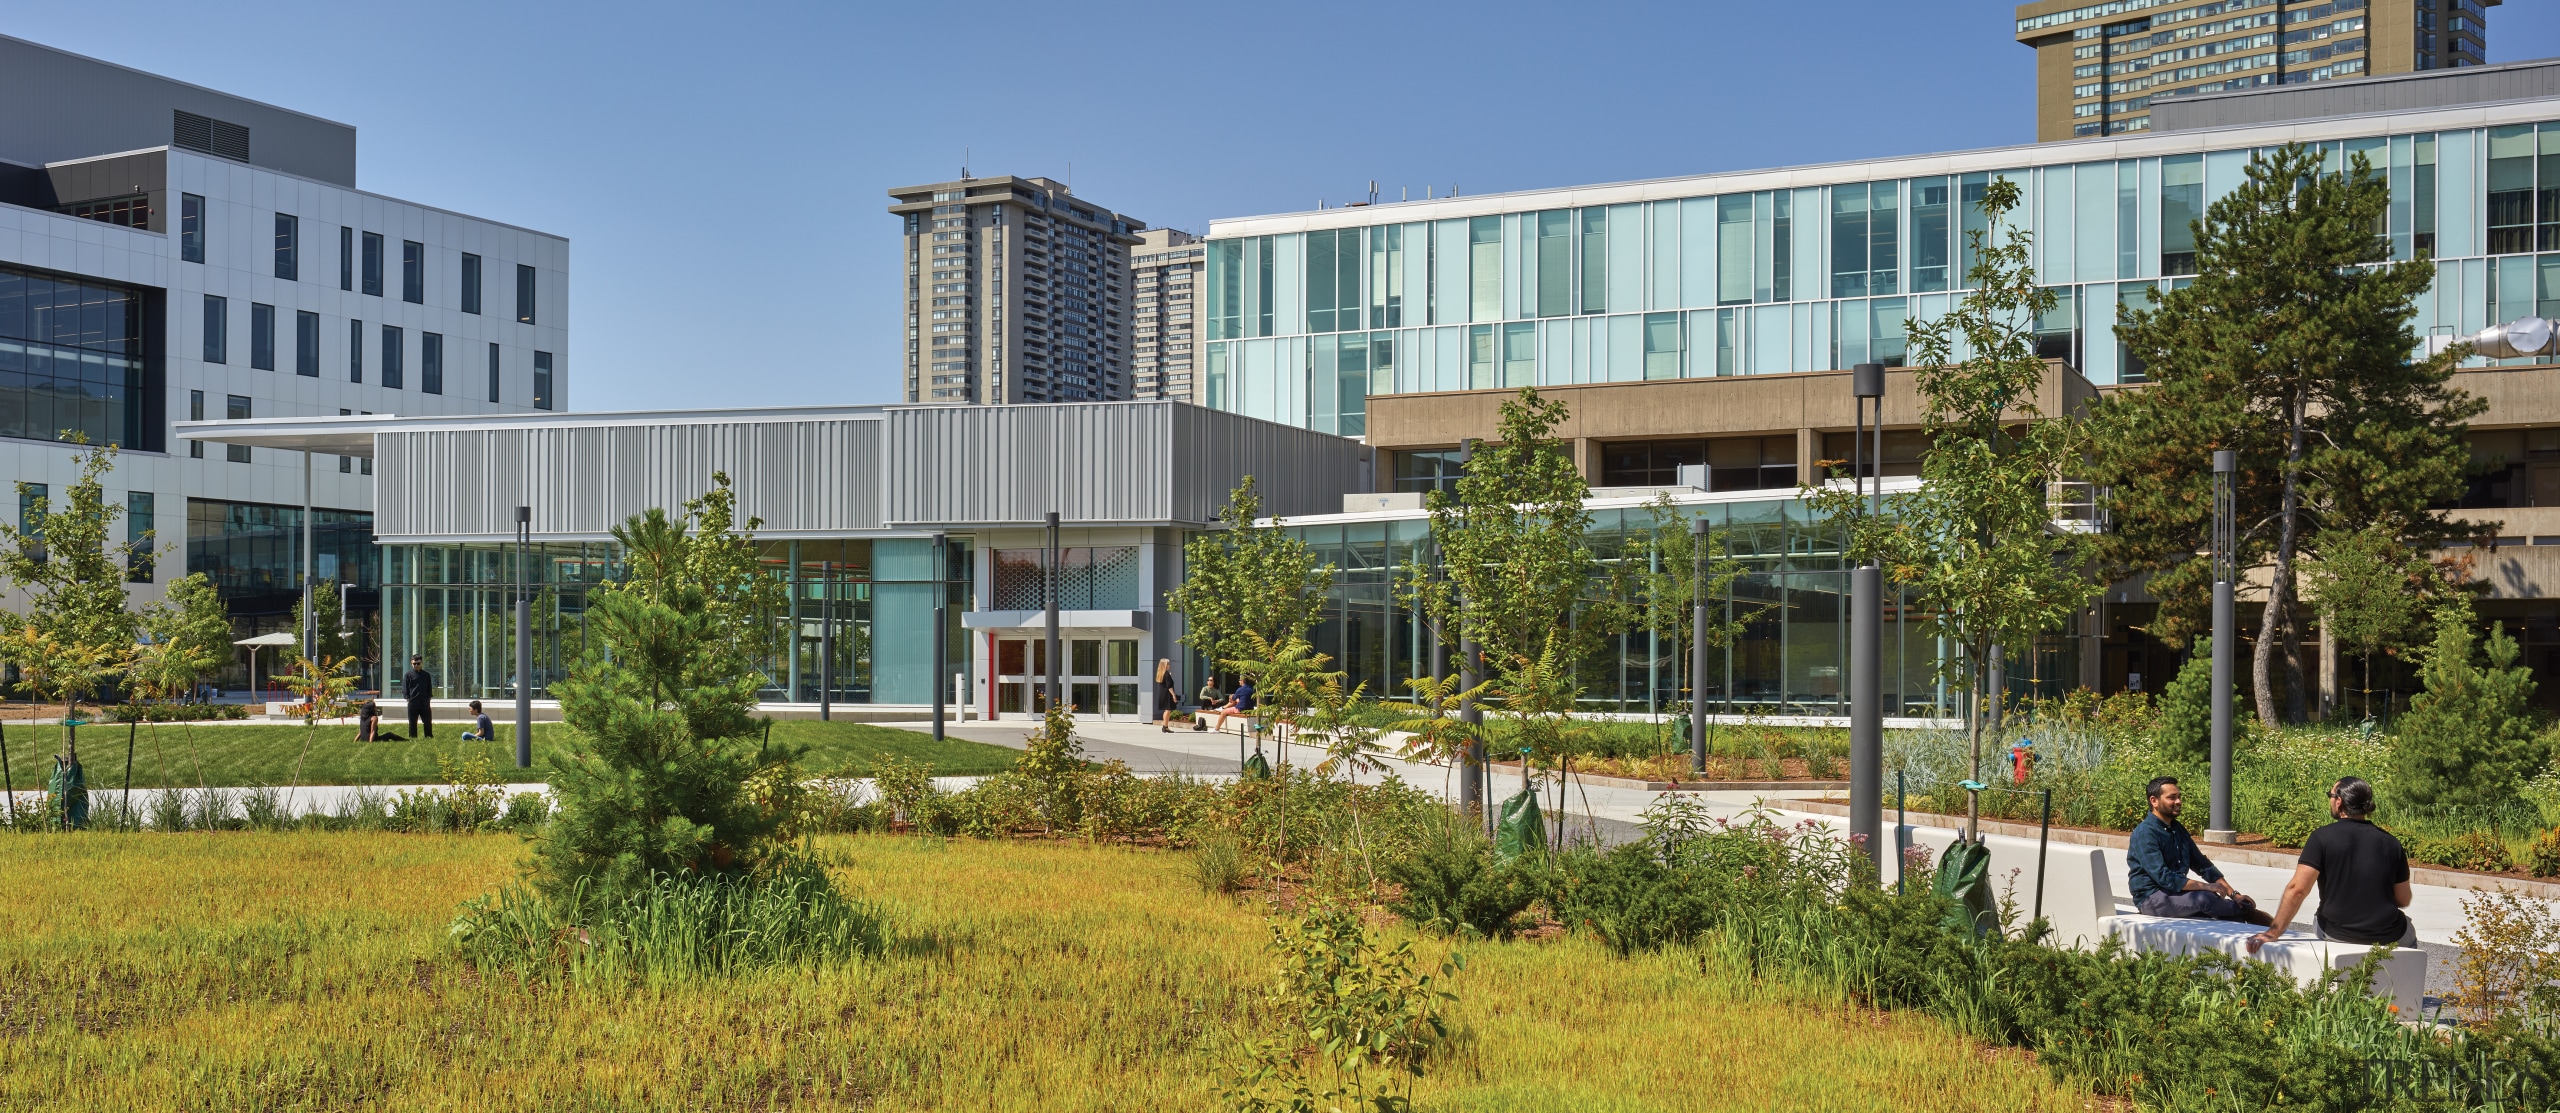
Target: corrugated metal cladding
[(815, 475), (1110, 462)]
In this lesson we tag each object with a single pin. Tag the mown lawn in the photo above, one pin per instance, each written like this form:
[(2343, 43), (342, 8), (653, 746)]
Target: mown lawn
[(248, 971), (241, 754)]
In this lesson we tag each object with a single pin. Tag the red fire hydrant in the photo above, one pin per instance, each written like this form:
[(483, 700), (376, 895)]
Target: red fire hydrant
[(2022, 760)]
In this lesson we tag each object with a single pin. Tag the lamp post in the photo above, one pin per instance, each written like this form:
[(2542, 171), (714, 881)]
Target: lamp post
[(941, 625), (1866, 628), (1698, 646), (826, 640), (2226, 560), (524, 641)]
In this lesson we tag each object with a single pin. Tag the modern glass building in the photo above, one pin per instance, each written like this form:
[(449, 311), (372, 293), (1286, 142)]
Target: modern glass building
[(1816, 268)]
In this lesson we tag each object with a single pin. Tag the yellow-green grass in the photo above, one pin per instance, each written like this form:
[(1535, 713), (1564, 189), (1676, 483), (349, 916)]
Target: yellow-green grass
[(304, 971), (241, 754)]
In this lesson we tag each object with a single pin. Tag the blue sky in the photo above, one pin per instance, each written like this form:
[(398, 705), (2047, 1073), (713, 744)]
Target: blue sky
[(721, 170)]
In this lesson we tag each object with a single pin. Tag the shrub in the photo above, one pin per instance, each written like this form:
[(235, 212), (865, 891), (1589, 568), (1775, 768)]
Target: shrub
[(2542, 859), (1357, 1023), (2186, 708), (2469, 739), (906, 788), (2510, 959), (670, 927), (526, 811), (1452, 881), (175, 712), (2479, 851)]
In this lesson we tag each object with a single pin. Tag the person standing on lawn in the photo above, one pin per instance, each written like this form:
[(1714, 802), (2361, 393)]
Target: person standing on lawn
[(2362, 873), (2161, 854), (418, 687)]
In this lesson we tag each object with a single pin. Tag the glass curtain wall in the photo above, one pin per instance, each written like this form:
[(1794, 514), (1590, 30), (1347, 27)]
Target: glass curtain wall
[(864, 605), (1787, 661), (1817, 278)]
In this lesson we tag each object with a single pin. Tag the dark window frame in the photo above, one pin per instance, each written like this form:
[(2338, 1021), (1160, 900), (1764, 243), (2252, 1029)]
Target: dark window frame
[(237, 407), (195, 412), (355, 350), (493, 374), (413, 272), (262, 336), (394, 351), (373, 264), (430, 363), (306, 343), (346, 258), (217, 329), (527, 289), (470, 283), (288, 247), (190, 228), (542, 371)]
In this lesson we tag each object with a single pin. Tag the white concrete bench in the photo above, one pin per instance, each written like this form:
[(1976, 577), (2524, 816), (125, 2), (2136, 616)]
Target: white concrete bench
[(2400, 979), (2080, 904)]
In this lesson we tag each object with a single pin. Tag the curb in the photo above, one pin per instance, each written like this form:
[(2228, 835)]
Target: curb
[(2418, 875)]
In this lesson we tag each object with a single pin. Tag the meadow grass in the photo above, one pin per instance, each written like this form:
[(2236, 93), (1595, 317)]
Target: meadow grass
[(309, 971), (243, 754)]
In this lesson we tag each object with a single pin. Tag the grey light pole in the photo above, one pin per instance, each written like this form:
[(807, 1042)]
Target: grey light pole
[(1049, 601), (1474, 776), (524, 641), (2226, 560), (310, 617), (1698, 646), (1866, 629), (941, 626)]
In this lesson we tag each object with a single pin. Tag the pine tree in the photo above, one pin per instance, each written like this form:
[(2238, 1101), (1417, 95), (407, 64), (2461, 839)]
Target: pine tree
[(2468, 740), (662, 707), (2292, 346)]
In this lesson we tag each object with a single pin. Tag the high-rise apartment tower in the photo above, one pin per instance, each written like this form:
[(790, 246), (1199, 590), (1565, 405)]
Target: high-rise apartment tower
[(1016, 291), (2099, 66), (1165, 270)]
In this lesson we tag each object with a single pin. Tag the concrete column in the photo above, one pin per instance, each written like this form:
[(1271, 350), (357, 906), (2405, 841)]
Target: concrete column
[(1586, 458), (1808, 450)]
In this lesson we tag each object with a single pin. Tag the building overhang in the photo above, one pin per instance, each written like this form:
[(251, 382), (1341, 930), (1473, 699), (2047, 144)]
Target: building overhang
[(1067, 620)]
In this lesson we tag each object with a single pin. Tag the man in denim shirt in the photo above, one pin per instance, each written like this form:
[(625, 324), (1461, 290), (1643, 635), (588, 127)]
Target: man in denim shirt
[(2161, 853)]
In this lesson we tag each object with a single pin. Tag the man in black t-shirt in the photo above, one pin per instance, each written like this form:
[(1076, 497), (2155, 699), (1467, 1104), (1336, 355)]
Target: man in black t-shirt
[(2362, 872)]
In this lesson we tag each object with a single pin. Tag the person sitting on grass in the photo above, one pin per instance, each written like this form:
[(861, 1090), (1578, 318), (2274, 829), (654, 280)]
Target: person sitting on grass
[(368, 720), (2161, 853), (1238, 706), (2362, 873), (481, 730)]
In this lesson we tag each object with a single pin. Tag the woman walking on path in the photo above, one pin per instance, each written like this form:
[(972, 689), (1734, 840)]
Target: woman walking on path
[(1168, 697)]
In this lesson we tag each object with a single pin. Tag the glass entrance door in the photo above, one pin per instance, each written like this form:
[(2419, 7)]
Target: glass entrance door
[(1100, 676)]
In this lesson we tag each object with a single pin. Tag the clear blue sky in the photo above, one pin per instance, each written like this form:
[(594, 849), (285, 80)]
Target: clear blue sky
[(720, 169)]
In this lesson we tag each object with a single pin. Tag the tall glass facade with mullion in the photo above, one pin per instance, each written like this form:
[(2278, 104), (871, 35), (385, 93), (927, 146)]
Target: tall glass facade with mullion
[(1787, 661), (72, 360), (454, 606), (1818, 277)]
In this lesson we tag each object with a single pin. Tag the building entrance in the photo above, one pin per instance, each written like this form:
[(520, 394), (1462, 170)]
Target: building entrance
[(1100, 676)]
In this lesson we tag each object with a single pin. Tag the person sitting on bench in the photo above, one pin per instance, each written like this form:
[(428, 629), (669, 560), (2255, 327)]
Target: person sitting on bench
[(2362, 873), (1238, 706), (2161, 854)]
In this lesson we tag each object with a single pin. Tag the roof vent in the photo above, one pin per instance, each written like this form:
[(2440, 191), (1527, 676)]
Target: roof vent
[(209, 135)]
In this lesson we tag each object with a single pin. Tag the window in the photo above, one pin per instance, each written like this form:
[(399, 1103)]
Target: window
[(32, 510), (191, 228), (140, 512), (524, 293), (392, 349), (2181, 205), (413, 272), (195, 412), (262, 336), (373, 263), (541, 380), (1929, 240), (355, 351), (470, 283), (1595, 260), (306, 344), (1751, 463), (217, 338), (493, 373), (236, 407), (1648, 463), (346, 258), (1427, 471), (431, 362), (288, 248)]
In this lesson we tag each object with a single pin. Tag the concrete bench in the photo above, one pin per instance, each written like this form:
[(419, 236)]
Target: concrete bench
[(2401, 979)]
